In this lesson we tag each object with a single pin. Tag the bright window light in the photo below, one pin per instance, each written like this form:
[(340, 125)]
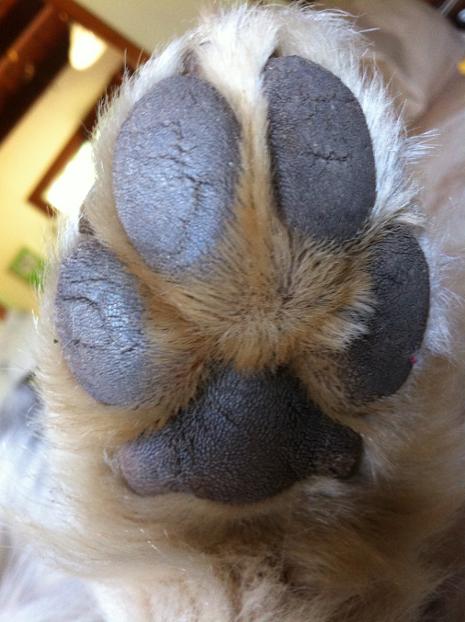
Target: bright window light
[(68, 190), (85, 48)]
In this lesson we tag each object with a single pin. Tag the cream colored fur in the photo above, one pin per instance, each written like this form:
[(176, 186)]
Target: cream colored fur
[(371, 549)]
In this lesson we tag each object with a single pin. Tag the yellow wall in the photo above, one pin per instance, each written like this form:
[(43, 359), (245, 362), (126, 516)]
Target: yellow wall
[(24, 157)]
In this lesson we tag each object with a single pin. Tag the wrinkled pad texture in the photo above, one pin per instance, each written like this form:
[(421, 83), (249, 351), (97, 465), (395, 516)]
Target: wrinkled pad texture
[(244, 439), (379, 363), (99, 318), (322, 157), (175, 167)]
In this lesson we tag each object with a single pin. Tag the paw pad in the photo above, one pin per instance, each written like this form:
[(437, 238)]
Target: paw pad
[(322, 155), (175, 168), (246, 438), (379, 363), (99, 318)]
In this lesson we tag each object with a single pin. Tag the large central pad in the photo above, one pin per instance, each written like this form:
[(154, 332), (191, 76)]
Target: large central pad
[(244, 439)]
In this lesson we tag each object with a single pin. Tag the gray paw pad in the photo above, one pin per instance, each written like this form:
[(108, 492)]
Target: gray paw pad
[(244, 439), (379, 362), (322, 156), (99, 321), (175, 167)]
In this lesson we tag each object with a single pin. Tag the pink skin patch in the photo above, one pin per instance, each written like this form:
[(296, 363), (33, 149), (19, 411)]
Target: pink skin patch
[(412, 360)]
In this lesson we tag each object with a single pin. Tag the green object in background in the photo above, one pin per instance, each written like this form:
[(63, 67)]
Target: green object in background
[(29, 267)]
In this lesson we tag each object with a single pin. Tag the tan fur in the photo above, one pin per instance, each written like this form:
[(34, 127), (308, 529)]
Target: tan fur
[(366, 550)]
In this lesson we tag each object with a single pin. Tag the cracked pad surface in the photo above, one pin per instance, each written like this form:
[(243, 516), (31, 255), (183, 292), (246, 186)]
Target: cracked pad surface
[(99, 319), (176, 162), (321, 150)]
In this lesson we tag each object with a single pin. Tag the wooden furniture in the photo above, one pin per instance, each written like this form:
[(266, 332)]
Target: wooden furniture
[(73, 11), (34, 47)]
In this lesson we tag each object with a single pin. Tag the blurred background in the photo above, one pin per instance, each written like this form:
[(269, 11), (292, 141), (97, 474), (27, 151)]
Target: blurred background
[(57, 59)]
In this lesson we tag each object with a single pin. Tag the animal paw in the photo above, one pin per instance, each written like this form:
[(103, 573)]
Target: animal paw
[(245, 283)]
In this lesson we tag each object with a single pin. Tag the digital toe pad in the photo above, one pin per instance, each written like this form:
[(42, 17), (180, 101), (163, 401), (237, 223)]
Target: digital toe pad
[(99, 322), (377, 364), (175, 168), (321, 151), (244, 437)]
